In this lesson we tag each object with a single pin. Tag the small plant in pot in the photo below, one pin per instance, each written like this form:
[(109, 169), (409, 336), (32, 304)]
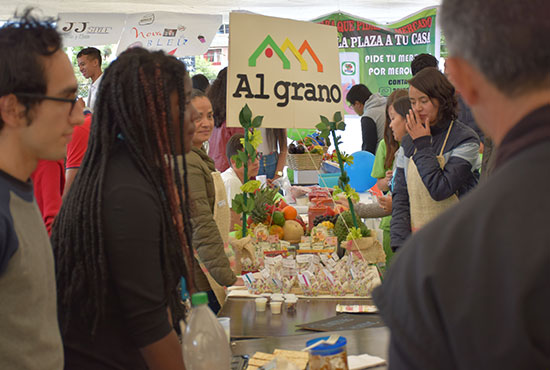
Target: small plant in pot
[(352, 233)]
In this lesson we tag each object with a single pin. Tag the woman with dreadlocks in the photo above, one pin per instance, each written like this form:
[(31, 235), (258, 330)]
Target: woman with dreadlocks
[(122, 238)]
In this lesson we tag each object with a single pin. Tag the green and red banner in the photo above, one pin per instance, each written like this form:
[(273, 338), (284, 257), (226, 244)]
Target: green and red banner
[(379, 56)]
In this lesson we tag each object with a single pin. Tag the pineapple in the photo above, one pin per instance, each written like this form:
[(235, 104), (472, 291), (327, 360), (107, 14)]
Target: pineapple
[(263, 197)]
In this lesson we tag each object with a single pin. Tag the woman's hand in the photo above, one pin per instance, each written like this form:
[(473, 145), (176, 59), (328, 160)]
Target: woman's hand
[(384, 183), (415, 127), (389, 175), (385, 202)]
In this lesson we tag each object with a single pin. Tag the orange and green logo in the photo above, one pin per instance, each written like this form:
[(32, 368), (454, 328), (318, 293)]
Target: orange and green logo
[(268, 46)]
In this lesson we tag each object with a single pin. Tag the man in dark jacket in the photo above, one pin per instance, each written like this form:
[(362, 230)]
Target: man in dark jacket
[(372, 109), (471, 289)]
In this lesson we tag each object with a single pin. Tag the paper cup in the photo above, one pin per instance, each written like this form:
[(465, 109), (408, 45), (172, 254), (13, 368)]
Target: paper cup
[(276, 307), (225, 322), (260, 304)]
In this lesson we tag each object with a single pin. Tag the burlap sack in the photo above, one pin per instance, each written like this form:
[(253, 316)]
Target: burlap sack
[(369, 249), (243, 248)]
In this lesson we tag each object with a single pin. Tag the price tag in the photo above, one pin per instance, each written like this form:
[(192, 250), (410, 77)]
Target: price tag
[(318, 246), (312, 268), (278, 283), (304, 245), (285, 244), (335, 257), (278, 258), (329, 276), (268, 261), (265, 274), (324, 258), (315, 259), (289, 263), (303, 258), (308, 274), (304, 280), (350, 259), (250, 278)]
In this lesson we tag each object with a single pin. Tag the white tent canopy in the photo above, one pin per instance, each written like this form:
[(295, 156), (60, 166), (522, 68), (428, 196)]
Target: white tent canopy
[(381, 11)]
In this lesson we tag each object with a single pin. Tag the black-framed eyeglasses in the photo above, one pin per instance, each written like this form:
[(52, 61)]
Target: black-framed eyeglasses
[(47, 97)]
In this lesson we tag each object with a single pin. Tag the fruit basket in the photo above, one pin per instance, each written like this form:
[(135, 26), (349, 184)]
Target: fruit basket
[(306, 154), (306, 161)]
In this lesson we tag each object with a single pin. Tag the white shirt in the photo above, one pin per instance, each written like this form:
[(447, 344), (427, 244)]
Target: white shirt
[(232, 184), (92, 93)]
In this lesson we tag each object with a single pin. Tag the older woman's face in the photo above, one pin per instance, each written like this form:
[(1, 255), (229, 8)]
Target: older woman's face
[(204, 124)]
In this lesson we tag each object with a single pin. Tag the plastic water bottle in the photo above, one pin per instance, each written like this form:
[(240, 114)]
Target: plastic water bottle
[(205, 345)]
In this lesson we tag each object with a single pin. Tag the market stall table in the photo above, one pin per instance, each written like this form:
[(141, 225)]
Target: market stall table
[(373, 341), (247, 323)]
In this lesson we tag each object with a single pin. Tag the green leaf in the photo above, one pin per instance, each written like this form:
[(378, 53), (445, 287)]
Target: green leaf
[(254, 138), (237, 203), (321, 126), (251, 186), (239, 231), (325, 120), (243, 157), (336, 192), (337, 116), (249, 148), (351, 193), (249, 205), (341, 126), (324, 134), (346, 158), (237, 159), (354, 233), (245, 116), (257, 121)]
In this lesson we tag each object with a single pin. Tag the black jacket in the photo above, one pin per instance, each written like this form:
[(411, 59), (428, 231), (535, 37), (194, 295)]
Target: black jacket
[(460, 174)]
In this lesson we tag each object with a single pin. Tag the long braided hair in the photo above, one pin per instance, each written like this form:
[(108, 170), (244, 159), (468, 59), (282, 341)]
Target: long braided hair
[(133, 104)]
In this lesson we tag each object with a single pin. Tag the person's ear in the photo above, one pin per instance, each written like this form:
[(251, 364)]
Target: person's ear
[(465, 78), (11, 111)]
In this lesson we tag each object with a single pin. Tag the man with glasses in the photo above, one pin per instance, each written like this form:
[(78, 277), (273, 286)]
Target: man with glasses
[(38, 112)]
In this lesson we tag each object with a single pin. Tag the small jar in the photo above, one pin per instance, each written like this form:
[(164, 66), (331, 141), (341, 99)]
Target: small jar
[(328, 356)]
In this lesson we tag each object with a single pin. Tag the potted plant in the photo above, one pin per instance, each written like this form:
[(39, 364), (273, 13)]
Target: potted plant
[(357, 235), (244, 203)]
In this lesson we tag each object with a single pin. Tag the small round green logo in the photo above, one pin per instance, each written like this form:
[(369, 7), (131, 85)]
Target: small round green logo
[(348, 68)]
